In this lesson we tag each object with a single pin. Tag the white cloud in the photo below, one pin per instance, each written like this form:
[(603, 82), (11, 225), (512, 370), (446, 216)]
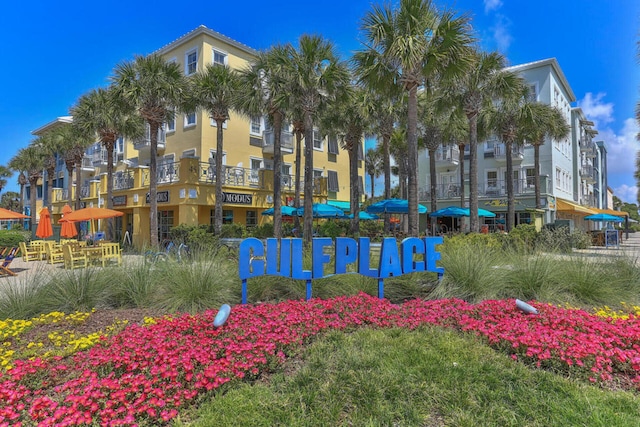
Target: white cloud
[(627, 193), (593, 107), (490, 5), (501, 33)]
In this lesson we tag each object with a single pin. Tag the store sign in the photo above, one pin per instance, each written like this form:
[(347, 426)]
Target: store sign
[(237, 198), (161, 197), (119, 200)]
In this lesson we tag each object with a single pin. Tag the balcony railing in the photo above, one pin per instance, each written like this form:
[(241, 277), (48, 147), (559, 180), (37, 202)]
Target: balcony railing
[(87, 163), (123, 180), (85, 190), (588, 147), (145, 141), (448, 155), (168, 172), (231, 175), (286, 142), (493, 188), (500, 152), (587, 173)]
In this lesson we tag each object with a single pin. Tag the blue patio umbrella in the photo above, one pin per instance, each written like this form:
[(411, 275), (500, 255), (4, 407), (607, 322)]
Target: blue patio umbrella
[(284, 210), (456, 212), (322, 210), (365, 216), (603, 217), (451, 211), (400, 206)]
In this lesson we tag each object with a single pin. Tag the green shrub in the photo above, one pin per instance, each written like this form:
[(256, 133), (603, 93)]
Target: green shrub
[(265, 231), (522, 238), (11, 238), (232, 231), (371, 228), (333, 228)]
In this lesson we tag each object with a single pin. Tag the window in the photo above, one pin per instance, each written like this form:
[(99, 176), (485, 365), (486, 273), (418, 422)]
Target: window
[(191, 62), (360, 154), (533, 92), (165, 223), (255, 124), (531, 179), (227, 216), (492, 178), (219, 58), (171, 123), (491, 142), (332, 184), (558, 178), (317, 173), (190, 119), (256, 165), (251, 219), (317, 140), (212, 157), (189, 153), (333, 145)]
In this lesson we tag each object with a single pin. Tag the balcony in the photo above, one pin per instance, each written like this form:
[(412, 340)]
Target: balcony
[(286, 142), (143, 144), (500, 152), (587, 173), (447, 155), (123, 180), (87, 164), (588, 147), (168, 173)]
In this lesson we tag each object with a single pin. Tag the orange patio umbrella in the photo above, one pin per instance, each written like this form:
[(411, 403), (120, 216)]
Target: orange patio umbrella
[(90, 214), (44, 229), (68, 229), (6, 214)]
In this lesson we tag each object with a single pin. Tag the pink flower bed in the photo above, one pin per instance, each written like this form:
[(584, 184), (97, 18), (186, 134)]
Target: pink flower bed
[(147, 373)]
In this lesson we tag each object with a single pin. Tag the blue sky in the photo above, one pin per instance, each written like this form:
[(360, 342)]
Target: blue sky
[(54, 52)]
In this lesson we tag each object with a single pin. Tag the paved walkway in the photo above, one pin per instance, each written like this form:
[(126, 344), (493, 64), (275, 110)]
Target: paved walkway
[(628, 247)]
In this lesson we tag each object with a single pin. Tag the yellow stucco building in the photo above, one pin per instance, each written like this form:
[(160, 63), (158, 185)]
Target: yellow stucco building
[(186, 159)]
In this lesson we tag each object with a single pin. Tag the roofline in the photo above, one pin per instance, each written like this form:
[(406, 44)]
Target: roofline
[(553, 62), (53, 124), (211, 33)]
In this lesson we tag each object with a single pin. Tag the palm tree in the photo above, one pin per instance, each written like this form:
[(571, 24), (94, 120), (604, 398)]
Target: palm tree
[(101, 112), (18, 163), (373, 165), (475, 90), (264, 90), (67, 139), (215, 89), (318, 73), (5, 173), (509, 119), (408, 46), (53, 148), (546, 122), (153, 87), (398, 149), (31, 158), (348, 119)]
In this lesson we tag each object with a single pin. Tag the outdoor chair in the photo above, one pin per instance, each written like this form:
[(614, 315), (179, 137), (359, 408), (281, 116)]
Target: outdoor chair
[(3, 251), (54, 253), (29, 254), (111, 252), (73, 259), (4, 267), (39, 246)]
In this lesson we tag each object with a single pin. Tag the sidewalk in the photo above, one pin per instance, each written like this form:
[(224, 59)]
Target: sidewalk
[(629, 247)]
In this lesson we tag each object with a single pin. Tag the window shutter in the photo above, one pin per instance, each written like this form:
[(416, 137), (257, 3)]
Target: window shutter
[(332, 184)]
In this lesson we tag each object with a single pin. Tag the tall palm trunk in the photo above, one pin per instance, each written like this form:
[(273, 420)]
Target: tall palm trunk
[(277, 175), (474, 225), (109, 146), (433, 189), (153, 182), (536, 173), (386, 165), (51, 170), (354, 146), (307, 229), (412, 149), (217, 226), (22, 180), (33, 182), (299, 131), (78, 185), (461, 171), (511, 199)]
